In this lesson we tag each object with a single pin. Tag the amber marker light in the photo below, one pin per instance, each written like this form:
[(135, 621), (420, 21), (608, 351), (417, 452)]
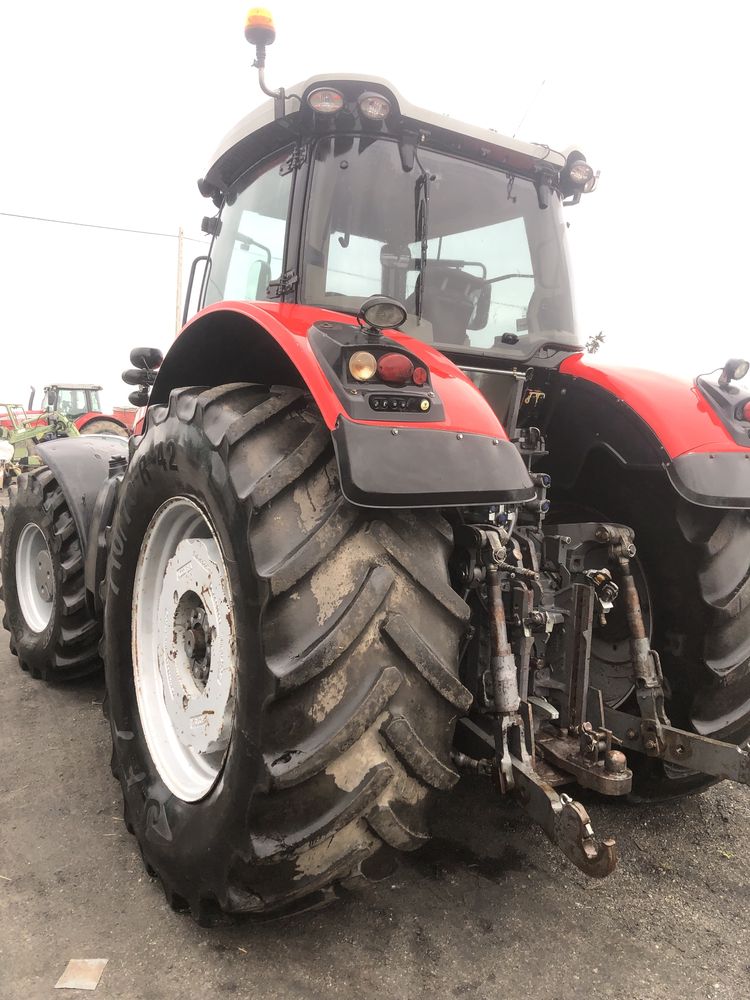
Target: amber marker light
[(259, 28), (362, 365)]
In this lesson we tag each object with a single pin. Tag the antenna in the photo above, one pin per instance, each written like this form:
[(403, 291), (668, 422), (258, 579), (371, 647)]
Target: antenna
[(532, 102)]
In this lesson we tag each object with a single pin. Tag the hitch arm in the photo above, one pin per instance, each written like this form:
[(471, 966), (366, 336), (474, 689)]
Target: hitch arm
[(676, 746)]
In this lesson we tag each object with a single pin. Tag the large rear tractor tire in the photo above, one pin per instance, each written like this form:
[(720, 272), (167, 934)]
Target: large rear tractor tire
[(51, 629), (281, 666), (696, 563)]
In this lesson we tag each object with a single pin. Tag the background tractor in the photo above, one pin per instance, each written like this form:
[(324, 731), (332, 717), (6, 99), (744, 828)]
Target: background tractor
[(20, 434), (81, 404), (382, 523)]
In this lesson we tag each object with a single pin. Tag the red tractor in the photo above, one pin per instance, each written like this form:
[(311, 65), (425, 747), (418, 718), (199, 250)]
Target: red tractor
[(384, 524), (81, 405)]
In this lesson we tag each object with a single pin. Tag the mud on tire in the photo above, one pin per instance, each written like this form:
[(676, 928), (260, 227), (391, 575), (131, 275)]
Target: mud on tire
[(347, 636), (66, 648)]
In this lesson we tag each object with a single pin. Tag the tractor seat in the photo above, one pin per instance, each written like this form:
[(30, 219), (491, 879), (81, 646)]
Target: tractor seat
[(451, 302)]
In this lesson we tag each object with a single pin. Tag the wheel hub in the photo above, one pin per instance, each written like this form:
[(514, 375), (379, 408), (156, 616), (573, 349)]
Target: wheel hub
[(198, 645), (43, 576), (197, 692), (35, 579), (184, 648)]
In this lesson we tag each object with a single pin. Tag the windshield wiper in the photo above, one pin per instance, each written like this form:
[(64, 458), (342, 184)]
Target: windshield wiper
[(504, 277), (422, 210)]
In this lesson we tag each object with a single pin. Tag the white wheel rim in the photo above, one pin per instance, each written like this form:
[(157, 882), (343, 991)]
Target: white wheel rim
[(184, 648), (35, 581)]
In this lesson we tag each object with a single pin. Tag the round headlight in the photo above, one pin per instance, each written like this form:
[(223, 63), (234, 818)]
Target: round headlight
[(581, 174), (381, 313), (590, 184), (326, 101), (362, 365), (374, 106)]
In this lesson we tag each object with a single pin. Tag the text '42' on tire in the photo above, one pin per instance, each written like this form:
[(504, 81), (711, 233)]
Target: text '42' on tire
[(52, 632), (283, 704)]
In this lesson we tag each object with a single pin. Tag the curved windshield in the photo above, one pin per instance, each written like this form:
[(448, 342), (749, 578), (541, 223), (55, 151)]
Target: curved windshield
[(479, 266)]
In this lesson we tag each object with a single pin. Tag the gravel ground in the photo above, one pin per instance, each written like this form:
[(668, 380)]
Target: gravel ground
[(488, 910)]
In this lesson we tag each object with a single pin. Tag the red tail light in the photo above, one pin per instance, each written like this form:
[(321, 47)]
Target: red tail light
[(419, 376), (395, 369), (745, 411)]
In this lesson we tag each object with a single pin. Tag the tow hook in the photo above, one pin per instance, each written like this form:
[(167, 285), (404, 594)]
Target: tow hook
[(566, 823)]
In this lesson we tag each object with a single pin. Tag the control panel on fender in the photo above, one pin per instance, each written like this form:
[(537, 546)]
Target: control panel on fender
[(399, 403)]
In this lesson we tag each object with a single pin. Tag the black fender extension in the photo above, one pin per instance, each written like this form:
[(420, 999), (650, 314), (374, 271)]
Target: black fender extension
[(88, 470)]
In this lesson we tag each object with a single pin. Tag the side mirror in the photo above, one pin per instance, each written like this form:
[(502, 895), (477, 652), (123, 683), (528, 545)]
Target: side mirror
[(148, 358), (257, 281), (481, 313), (264, 280)]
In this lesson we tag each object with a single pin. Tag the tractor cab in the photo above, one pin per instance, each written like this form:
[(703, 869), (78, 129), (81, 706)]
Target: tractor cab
[(343, 190), (72, 400)]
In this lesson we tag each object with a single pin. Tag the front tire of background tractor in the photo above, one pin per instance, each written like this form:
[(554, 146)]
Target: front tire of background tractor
[(283, 708), (51, 630), (696, 562)]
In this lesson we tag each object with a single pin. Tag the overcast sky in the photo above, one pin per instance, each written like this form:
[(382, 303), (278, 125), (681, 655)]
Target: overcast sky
[(110, 113)]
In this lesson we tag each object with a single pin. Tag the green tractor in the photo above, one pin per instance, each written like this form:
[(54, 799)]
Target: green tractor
[(21, 432)]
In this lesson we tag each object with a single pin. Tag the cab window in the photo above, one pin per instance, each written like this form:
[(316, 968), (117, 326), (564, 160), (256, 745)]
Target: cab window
[(248, 252)]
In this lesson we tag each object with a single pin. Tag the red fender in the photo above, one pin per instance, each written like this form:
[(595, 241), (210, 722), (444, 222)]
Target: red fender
[(461, 456), (678, 414), (85, 417), (466, 410)]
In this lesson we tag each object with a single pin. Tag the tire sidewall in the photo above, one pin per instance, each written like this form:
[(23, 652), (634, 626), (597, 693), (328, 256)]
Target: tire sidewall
[(193, 841)]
